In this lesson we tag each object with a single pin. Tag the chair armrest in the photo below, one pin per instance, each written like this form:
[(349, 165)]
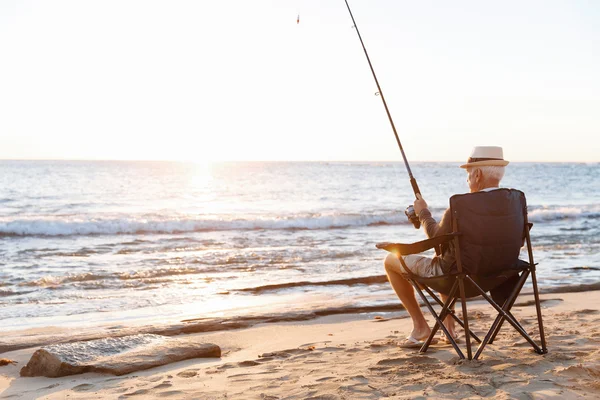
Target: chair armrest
[(417, 247)]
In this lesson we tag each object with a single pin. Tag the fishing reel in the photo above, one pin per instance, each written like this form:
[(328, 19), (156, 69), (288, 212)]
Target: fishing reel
[(412, 216)]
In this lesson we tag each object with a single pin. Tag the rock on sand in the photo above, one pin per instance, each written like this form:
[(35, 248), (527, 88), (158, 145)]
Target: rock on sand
[(117, 356)]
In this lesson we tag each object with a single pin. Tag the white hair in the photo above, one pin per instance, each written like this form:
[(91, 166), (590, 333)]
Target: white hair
[(491, 171)]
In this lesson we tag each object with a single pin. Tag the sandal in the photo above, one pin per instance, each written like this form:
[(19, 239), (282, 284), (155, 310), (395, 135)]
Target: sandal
[(413, 343)]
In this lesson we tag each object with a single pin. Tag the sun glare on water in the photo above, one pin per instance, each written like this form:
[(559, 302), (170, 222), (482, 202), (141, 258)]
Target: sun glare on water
[(202, 174)]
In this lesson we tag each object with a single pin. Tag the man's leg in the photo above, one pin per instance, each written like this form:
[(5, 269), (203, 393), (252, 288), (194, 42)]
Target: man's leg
[(406, 294)]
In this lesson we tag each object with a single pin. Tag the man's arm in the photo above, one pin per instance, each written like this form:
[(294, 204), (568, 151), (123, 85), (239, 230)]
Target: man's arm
[(430, 225)]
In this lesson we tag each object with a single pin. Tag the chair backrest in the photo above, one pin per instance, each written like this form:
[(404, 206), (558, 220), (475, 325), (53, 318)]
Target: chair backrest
[(491, 226)]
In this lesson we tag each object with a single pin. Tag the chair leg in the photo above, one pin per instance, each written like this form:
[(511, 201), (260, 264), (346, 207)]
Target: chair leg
[(508, 317), (515, 319), (446, 308), (508, 304), (536, 295), (463, 301), (513, 298), (451, 312), (497, 322), (439, 321), (487, 337), (494, 329)]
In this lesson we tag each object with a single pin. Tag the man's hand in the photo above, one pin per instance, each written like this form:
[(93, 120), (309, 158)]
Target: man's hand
[(419, 204)]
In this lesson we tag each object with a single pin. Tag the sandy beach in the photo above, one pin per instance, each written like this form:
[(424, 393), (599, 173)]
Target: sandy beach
[(356, 357)]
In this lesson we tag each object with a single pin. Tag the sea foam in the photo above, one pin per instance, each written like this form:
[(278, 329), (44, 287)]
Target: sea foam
[(98, 226), (68, 226), (547, 214)]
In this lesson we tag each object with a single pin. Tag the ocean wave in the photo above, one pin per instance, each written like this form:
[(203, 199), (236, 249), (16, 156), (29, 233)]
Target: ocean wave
[(97, 226), (69, 226), (548, 214), (91, 278)]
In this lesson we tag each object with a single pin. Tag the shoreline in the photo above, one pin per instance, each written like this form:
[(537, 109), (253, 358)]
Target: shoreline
[(42, 336), (355, 356)]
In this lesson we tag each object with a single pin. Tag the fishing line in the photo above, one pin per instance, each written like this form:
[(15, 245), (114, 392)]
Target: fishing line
[(413, 182)]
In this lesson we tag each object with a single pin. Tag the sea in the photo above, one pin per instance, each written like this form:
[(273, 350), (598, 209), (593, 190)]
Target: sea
[(94, 243)]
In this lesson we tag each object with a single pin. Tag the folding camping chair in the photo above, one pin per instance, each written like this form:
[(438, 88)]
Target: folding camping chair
[(489, 229)]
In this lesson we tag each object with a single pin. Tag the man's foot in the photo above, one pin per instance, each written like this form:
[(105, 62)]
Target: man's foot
[(413, 343), (421, 333), (451, 328), (454, 335)]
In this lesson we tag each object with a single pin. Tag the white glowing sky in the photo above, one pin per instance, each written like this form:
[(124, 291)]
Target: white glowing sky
[(240, 80)]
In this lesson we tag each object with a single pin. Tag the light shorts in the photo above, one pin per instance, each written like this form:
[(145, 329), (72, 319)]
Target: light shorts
[(420, 265)]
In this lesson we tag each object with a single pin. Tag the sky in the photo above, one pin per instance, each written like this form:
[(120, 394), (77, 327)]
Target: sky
[(222, 80)]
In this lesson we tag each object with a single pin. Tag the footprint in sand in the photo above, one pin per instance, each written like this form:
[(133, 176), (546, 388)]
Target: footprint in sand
[(171, 393), (83, 387), (164, 385), (352, 350), (325, 378), (359, 378), (51, 386), (188, 373), (456, 388), (248, 363), (136, 393)]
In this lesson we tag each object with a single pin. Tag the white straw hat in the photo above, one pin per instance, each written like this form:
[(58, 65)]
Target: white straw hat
[(486, 155)]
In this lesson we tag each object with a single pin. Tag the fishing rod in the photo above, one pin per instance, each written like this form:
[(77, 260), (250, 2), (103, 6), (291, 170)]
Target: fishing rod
[(410, 212)]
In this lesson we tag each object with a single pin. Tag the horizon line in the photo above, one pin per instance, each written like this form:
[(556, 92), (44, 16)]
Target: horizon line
[(273, 161)]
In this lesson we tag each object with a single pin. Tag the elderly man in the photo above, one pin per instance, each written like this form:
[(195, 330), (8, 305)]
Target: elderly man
[(485, 169)]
